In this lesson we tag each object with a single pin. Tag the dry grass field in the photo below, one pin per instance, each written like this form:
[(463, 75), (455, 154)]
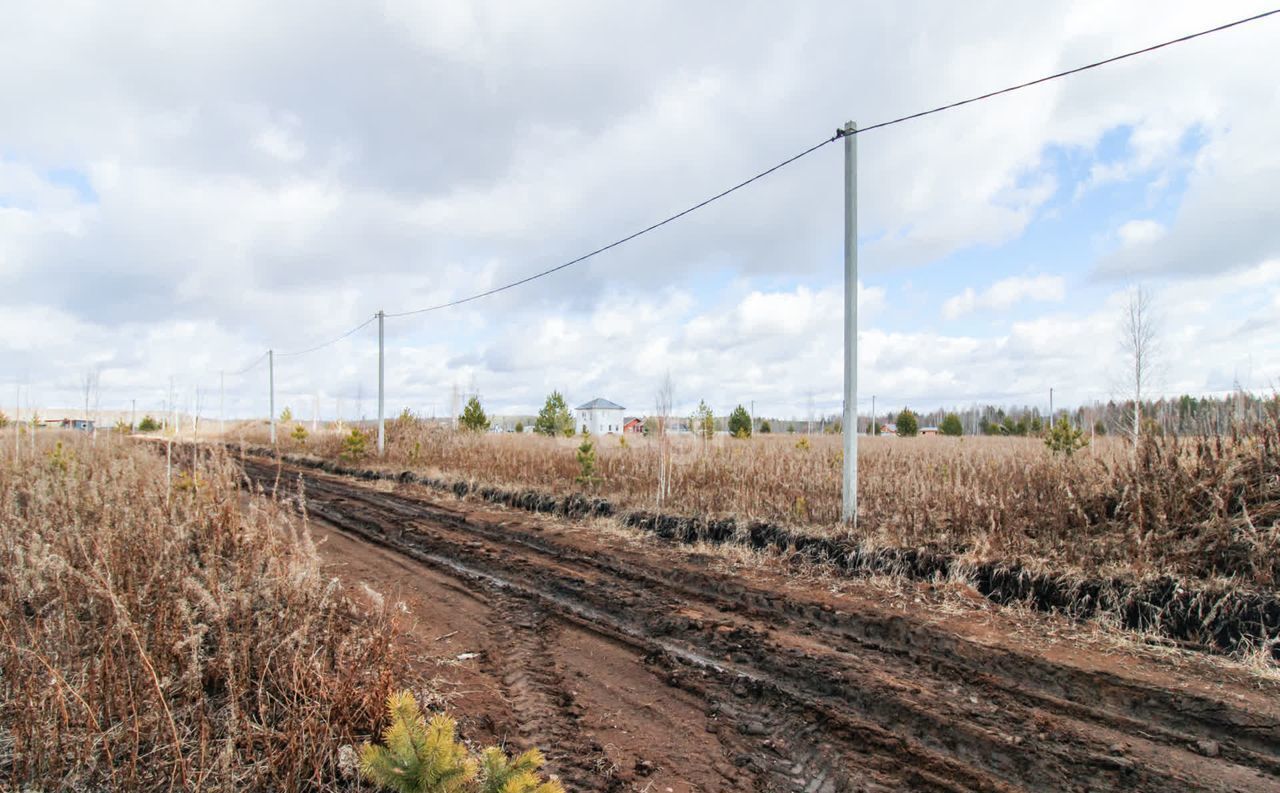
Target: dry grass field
[(1204, 508), (175, 639)]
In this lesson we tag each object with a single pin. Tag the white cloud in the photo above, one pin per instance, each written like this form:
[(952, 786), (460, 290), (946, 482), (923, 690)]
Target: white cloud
[(1005, 294), (266, 174), (1140, 232)]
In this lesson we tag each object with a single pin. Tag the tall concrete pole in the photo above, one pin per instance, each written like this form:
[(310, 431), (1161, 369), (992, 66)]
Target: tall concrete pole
[(1050, 407), (850, 510), (382, 430), (271, 384), (871, 428)]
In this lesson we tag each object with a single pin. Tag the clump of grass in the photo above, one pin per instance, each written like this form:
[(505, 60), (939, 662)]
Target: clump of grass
[(180, 640)]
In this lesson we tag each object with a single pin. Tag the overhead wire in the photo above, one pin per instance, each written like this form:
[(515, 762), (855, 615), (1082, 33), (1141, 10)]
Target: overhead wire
[(840, 133), (1066, 73), (335, 340), (256, 361), (625, 239)]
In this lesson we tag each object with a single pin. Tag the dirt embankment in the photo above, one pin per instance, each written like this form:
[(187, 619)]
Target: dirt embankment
[(638, 666)]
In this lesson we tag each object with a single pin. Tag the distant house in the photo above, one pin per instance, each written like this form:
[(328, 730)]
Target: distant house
[(633, 424), (600, 417), (928, 430)]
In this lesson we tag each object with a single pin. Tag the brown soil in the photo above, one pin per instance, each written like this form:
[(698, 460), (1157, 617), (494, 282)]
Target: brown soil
[(636, 666)]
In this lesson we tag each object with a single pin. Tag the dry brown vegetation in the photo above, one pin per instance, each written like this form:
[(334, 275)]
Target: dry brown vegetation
[(1193, 507), (183, 639)]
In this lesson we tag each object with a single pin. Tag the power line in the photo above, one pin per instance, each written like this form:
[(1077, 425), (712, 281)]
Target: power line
[(839, 134), (1068, 72), (256, 361), (625, 239), (330, 341)]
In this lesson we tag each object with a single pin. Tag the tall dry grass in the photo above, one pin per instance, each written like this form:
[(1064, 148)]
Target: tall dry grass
[(179, 639), (1198, 507)]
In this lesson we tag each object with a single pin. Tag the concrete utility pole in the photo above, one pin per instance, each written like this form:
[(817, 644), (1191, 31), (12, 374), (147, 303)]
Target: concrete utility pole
[(133, 414), (271, 385), (382, 429), (1050, 406), (871, 428), (850, 510)]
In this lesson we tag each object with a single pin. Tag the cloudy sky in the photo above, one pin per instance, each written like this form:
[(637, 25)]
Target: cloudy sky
[(183, 186)]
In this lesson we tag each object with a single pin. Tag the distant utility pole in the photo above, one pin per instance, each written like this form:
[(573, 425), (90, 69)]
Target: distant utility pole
[(850, 510), (17, 420), (133, 414), (315, 413), (382, 430), (222, 403), (271, 387), (1050, 406), (871, 428)]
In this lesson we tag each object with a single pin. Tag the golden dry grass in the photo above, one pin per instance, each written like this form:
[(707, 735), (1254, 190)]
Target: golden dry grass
[(1204, 508), (171, 639)]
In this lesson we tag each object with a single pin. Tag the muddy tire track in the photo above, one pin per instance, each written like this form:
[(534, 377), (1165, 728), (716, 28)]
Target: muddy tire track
[(800, 696)]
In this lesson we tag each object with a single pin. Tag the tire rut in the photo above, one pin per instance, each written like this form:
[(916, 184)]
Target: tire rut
[(832, 701)]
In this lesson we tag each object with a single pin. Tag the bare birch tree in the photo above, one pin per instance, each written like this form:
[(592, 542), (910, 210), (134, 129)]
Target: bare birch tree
[(1138, 339), (663, 403), (1140, 344)]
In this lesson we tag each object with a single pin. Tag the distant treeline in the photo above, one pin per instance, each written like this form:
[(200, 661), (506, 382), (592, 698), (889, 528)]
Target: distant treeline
[(1184, 415)]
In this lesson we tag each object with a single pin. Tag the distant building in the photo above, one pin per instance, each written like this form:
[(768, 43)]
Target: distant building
[(928, 430), (889, 429), (633, 424), (600, 417)]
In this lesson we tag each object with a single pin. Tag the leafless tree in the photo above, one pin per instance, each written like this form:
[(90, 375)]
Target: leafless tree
[(1139, 340), (664, 401)]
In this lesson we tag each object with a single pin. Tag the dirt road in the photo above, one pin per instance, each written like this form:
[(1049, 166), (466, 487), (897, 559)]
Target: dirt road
[(642, 667)]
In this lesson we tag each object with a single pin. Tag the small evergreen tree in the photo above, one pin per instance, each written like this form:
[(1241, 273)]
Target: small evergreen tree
[(286, 415), (703, 423), (354, 445), (4, 420), (951, 426), (500, 775), (148, 424), (473, 417), (419, 756), (586, 461), (519, 426), (554, 418), (908, 424), (740, 423), (300, 435), (765, 429), (1064, 439)]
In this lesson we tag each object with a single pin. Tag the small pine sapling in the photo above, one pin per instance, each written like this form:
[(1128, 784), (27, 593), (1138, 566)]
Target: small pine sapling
[(353, 446), (1064, 439), (300, 435), (421, 756), (587, 461), (501, 775), (418, 756)]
